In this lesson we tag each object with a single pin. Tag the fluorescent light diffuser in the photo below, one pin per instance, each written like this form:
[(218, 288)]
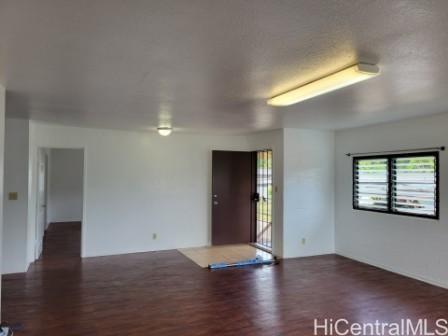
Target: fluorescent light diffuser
[(164, 131), (337, 80)]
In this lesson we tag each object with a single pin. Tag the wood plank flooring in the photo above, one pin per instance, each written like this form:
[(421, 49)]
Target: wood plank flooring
[(62, 240), (165, 293)]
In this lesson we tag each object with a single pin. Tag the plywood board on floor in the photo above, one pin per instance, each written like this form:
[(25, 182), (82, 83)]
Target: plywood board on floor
[(204, 256)]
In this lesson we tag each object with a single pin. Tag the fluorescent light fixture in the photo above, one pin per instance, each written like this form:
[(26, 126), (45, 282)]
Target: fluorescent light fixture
[(337, 80), (164, 131)]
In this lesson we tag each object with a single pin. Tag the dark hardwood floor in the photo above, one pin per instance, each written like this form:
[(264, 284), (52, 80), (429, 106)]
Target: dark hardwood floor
[(62, 240), (164, 293)]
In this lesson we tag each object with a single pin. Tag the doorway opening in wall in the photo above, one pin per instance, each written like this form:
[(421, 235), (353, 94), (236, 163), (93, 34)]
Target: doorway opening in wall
[(241, 209), (263, 200), (60, 202)]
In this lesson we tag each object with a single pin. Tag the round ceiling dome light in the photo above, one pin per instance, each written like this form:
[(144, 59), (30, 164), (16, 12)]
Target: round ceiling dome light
[(164, 131)]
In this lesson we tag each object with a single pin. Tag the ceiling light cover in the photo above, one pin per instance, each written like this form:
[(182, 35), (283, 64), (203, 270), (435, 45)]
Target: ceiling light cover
[(337, 80), (164, 131)]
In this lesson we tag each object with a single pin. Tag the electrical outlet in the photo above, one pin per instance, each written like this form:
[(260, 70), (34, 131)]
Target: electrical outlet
[(303, 241), (154, 236)]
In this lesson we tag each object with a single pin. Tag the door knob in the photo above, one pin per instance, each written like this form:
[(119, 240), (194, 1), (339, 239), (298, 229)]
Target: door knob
[(256, 197), (215, 202)]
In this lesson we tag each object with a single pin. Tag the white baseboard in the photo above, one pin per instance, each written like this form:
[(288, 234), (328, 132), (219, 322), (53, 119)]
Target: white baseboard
[(306, 255), (65, 221), (434, 282)]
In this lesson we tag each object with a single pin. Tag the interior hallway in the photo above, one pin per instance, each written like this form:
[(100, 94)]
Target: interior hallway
[(165, 293), (62, 240)]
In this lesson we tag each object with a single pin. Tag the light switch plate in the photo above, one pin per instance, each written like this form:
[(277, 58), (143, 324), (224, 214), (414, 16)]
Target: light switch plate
[(13, 196)]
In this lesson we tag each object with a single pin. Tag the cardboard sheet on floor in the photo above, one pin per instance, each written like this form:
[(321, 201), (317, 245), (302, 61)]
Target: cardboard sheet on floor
[(204, 256)]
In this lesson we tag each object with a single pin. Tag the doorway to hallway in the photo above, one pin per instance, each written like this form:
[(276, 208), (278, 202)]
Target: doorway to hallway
[(60, 202)]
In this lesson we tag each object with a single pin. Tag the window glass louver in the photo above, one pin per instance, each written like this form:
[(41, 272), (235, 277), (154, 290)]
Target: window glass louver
[(371, 184), (414, 182), (406, 184)]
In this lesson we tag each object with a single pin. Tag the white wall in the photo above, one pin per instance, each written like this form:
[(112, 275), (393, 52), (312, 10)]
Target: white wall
[(303, 162), (412, 246), (65, 192), (2, 146), (137, 184), (15, 211), (308, 178)]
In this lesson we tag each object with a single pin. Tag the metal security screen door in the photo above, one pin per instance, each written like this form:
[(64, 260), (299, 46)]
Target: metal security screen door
[(263, 234)]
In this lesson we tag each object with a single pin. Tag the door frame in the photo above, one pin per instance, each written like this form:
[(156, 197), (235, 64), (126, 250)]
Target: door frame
[(35, 191), (42, 155)]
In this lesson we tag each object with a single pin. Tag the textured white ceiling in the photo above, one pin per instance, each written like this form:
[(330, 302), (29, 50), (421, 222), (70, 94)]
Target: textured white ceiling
[(210, 64)]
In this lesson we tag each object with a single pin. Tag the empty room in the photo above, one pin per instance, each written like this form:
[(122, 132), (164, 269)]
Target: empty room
[(205, 167)]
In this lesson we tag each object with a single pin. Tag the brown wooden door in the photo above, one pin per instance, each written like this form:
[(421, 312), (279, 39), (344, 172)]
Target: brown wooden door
[(231, 197)]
